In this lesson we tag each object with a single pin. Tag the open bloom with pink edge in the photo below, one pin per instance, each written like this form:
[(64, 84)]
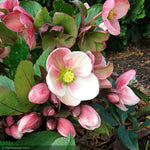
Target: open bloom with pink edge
[(21, 22), (112, 11), (122, 94), (69, 76)]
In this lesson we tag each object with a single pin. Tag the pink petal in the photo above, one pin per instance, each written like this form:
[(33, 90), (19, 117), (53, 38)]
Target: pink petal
[(113, 26), (124, 79), (68, 99), (112, 97), (121, 8), (85, 88), (9, 4), (21, 10), (98, 57), (92, 57), (128, 97), (56, 58), (80, 63), (105, 84), (52, 80), (108, 5), (12, 21), (121, 106), (103, 72)]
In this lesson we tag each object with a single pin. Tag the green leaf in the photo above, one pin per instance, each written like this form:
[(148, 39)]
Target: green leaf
[(122, 114), (6, 143), (9, 103), (104, 115), (65, 143), (41, 18), (61, 6), (67, 22), (145, 109), (24, 80), (92, 12), (41, 62), (8, 36), (31, 7), (82, 9), (128, 137), (6, 82), (140, 94), (19, 51), (104, 128), (39, 140)]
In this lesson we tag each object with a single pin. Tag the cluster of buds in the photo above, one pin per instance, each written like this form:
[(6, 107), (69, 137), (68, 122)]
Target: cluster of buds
[(26, 124)]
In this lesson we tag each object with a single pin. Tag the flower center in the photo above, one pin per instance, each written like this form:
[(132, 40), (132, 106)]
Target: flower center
[(111, 15), (68, 76)]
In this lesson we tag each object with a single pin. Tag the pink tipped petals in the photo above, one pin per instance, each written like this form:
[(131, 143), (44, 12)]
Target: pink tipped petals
[(69, 76), (89, 118), (123, 95), (39, 93), (112, 11), (29, 122), (64, 126), (124, 79)]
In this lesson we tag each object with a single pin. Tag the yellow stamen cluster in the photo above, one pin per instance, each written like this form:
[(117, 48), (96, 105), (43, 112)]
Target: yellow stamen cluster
[(110, 15)]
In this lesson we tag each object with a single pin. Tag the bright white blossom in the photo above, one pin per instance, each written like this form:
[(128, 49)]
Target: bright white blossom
[(69, 76)]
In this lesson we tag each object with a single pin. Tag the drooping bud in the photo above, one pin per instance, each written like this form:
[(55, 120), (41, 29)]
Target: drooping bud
[(7, 131), (55, 100), (89, 118), (9, 121), (76, 111), (15, 133), (29, 122), (48, 111), (51, 124), (64, 126), (39, 93)]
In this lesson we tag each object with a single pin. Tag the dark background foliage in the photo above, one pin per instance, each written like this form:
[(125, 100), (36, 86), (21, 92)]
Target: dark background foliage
[(135, 26)]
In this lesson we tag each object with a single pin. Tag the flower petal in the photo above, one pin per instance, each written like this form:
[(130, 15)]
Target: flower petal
[(121, 8), (12, 21), (102, 72), (80, 63), (128, 97), (122, 106), (112, 97), (113, 26), (85, 88), (56, 58), (52, 80), (105, 84), (108, 5), (124, 79), (68, 99)]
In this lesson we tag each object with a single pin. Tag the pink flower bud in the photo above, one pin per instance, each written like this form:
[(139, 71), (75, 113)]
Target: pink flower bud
[(89, 118), (55, 100), (48, 111), (29, 122), (76, 111), (9, 121), (64, 126), (7, 131), (15, 133), (39, 93), (51, 124)]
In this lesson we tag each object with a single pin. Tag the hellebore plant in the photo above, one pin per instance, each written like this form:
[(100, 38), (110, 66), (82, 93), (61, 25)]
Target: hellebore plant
[(65, 82)]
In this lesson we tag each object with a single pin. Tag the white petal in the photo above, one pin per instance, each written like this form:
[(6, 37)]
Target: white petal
[(68, 99), (128, 97), (85, 88), (53, 82), (80, 63)]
